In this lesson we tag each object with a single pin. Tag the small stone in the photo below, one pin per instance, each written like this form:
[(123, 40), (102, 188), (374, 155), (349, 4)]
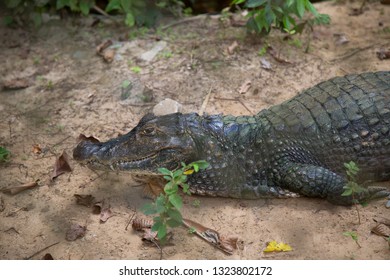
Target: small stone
[(388, 204), (167, 106), (149, 55)]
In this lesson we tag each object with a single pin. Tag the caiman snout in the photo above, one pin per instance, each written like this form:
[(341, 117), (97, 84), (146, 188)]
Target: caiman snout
[(86, 151)]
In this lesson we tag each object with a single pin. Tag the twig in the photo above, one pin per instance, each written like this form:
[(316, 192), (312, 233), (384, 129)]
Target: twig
[(237, 99), (40, 251), (205, 102), (93, 179), (100, 11), (185, 20), (128, 223), (345, 56)]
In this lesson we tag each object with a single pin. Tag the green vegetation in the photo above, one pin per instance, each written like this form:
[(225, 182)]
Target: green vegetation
[(283, 15), (354, 236), (167, 206), (353, 188), (4, 154), (136, 12)]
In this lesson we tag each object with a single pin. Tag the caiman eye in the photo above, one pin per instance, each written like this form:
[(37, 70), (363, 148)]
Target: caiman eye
[(148, 131)]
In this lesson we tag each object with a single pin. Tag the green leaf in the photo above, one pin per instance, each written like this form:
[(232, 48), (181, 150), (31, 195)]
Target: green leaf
[(177, 173), (160, 204), (301, 7), (176, 201), (169, 190), (286, 22), (162, 232), (130, 20), (237, 2), (4, 154), (202, 164), (85, 7), (186, 188), (149, 209), (113, 5), (164, 171), (157, 223), (37, 19), (173, 223), (311, 8), (347, 192), (175, 215), (12, 3), (127, 6), (254, 3), (126, 84)]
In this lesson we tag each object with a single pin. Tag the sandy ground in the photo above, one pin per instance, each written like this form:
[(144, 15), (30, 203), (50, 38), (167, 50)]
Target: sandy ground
[(72, 90)]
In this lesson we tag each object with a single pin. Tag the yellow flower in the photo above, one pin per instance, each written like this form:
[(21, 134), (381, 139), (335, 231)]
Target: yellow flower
[(273, 246)]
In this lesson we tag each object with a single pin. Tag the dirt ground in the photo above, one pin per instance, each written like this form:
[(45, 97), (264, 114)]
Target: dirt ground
[(71, 90)]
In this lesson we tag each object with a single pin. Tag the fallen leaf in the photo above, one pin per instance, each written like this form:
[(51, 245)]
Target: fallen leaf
[(100, 48), (265, 63), (61, 166), (382, 220), (381, 230), (232, 47), (141, 224), (149, 235), (20, 188), (245, 87), (16, 83), (75, 231), (383, 54), (92, 139), (97, 207), (273, 246), (105, 214), (47, 257), (36, 149), (84, 199), (341, 38), (225, 243)]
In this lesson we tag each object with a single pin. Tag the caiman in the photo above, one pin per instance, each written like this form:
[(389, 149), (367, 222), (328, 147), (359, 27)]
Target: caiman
[(297, 147)]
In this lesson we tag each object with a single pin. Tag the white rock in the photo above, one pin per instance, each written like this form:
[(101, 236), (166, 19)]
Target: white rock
[(167, 106), (149, 55)]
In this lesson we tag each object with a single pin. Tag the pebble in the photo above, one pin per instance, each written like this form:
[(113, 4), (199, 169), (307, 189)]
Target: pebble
[(149, 55), (388, 204), (167, 106)]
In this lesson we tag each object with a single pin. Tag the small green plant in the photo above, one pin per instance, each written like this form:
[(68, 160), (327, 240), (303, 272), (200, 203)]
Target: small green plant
[(136, 69), (4, 154), (191, 230), (353, 188), (196, 203), (354, 236), (264, 14), (167, 206)]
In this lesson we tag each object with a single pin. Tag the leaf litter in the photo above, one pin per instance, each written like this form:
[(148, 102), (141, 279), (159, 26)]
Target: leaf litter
[(17, 189), (61, 165), (75, 231)]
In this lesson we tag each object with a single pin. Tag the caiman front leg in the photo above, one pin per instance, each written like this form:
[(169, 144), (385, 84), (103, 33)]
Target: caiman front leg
[(316, 181)]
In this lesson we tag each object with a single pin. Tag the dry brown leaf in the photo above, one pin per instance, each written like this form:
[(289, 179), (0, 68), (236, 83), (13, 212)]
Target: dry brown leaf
[(232, 47), (20, 188), (341, 38), (245, 87), (100, 48), (383, 54), (36, 149), (75, 231), (381, 230), (225, 243), (92, 139), (16, 83), (149, 235), (84, 199), (141, 224), (61, 165), (382, 220), (97, 207), (105, 214)]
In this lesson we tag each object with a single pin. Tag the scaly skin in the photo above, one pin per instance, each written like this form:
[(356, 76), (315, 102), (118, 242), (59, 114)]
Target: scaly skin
[(297, 147)]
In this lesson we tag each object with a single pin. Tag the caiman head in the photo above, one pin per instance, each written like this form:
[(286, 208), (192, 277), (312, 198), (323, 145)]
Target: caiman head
[(162, 141)]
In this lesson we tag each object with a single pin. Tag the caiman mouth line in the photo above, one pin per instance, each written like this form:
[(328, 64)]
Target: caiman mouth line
[(123, 161)]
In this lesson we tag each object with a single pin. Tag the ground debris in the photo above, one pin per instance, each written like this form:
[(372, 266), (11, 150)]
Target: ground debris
[(383, 54), (381, 230), (104, 51), (16, 83), (75, 231), (103, 209), (17, 189), (2, 205), (223, 242), (92, 139), (61, 165), (84, 199)]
